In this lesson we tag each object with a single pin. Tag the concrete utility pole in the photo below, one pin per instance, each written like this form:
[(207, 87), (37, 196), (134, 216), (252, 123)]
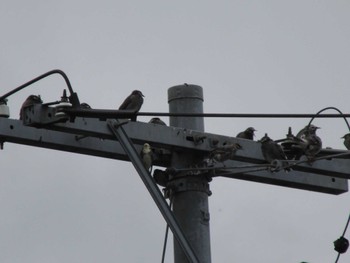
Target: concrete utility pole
[(183, 147), (190, 192)]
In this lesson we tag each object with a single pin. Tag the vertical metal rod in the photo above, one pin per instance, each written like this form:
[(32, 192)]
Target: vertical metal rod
[(157, 196), (190, 205)]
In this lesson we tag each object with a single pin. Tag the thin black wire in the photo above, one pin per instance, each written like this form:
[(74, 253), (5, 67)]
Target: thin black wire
[(319, 158), (346, 227), (332, 108), (166, 233), (242, 115), (220, 168), (55, 71), (337, 258)]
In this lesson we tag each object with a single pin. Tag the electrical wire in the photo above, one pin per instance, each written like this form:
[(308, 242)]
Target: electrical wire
[(319, 158), (219, 168), (242, 115), (331, 108), (166, 232), (337, 258), (55, 71), (346, 227)]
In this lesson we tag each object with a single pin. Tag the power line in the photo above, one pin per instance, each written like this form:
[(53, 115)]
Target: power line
[(244, 115)]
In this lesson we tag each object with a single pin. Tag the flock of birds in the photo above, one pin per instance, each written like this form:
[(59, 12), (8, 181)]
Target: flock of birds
[(306, 142)]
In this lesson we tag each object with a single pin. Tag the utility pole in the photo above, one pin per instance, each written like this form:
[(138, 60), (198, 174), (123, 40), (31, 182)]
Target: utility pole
[(189, 191), (184, 149)]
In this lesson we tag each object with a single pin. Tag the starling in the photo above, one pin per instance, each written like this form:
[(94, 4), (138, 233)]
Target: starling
[(133, 102), (247, 134), (308, 129), (271, 150), (346, 138), (157, 121), (310, 143), (147, 157), (31, 100), (224, 153)]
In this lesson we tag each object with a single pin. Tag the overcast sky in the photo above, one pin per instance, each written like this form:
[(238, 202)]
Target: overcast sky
[(249, 57)]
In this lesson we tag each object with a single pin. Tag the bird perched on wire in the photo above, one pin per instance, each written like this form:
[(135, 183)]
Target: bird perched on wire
[(133, 102), (309, 142), (272, 151), (31, 100), (247, 134), (346, 138), (225, 152), (147, 157), (157, 121)]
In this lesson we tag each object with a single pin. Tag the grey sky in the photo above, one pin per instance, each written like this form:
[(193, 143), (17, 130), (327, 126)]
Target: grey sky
[(249, 57)]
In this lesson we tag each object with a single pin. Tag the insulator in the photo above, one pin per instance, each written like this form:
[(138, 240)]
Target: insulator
[(4, 110), (62, 105), (341, 245)]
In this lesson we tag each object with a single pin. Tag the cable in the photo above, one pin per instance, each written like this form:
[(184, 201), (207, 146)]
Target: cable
[(319, 158), (55, 71), (332, 108), (166, 233), (218, 168), (231, 175), (242, 115), (346, 227), (337, 258)]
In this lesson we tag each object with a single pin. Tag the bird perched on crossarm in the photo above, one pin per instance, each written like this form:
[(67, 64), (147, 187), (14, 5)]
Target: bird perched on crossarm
[(157, 121), (225, 152), (147, 157), (133, 102), (31, 100), (247, 134), (310, 143), (272, 151), (346, 138)]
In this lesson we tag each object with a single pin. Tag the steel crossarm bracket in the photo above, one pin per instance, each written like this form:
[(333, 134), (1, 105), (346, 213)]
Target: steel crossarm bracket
[(119, 132)]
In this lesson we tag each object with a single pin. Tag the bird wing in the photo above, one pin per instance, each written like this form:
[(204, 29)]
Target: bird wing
[(126, 102)]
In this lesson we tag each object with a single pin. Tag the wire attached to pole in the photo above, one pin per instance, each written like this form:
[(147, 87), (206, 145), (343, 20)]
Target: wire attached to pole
[(167, 231), (331, 108), (74, 98)]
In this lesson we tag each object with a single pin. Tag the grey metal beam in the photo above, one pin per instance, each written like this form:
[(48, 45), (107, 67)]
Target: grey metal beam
[(118, 131), (185, 139), (15, 132), (180, 138)]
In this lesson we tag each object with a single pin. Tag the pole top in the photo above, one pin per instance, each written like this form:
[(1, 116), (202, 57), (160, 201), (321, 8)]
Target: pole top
[(185, 91)]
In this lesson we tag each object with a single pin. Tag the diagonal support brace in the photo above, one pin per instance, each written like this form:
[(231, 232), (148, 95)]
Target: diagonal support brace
[(118, 131)]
